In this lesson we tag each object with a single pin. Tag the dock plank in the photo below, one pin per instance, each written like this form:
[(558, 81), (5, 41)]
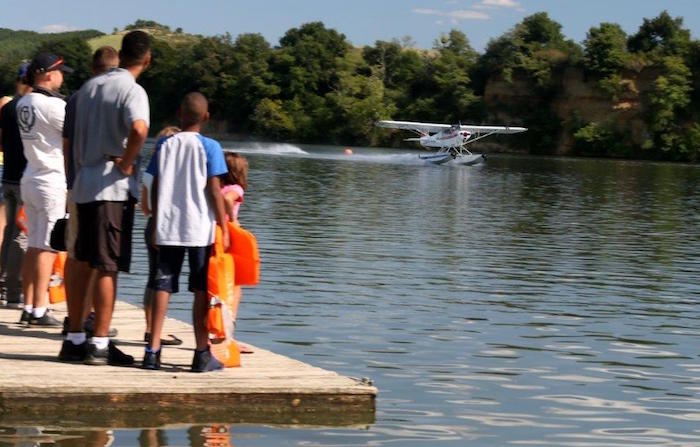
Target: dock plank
[(268, 388)]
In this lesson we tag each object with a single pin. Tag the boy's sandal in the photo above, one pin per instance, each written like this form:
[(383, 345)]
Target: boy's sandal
[(172, 341), (244, 349)]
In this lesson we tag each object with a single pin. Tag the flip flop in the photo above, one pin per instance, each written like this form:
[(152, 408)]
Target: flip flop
[(172, 341), (244, 349)]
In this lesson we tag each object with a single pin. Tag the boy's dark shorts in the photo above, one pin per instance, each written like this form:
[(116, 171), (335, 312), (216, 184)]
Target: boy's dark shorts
[(169, 263), (104, 234)]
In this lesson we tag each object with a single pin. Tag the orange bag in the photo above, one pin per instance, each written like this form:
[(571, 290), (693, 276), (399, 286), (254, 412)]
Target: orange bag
[(21, 220), (215, 321), (220, 292), (246, 258), (57, 286), (217, 290), (227, 353)]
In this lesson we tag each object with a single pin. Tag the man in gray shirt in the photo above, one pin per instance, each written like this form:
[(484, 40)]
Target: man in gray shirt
[(111, 125)]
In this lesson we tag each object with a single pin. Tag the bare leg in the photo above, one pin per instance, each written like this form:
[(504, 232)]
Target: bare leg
[(199, 320), (28, 275), (78, 278), (44, 267), (90, 292), (148, 308), (104, 301), (237, 294), (3, 222), (160, 308)]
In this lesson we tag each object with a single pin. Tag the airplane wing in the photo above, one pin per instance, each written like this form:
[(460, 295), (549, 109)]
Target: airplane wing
[(493, 129), (432, 128), (410, 125)]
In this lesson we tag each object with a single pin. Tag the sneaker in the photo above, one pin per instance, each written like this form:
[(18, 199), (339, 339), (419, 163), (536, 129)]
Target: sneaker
[(95, 356), (45, 320), (89, 327), (71, 352), (151, 360), (24, 319), (109, 355), (203, 361)]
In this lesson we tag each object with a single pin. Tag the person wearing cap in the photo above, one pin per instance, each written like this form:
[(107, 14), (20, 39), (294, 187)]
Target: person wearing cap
[(40, 116), (14, 242), (111, 125)]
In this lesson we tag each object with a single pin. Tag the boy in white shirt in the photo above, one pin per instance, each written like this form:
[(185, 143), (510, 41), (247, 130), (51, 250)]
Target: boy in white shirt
[(187, 204), (40, 116)]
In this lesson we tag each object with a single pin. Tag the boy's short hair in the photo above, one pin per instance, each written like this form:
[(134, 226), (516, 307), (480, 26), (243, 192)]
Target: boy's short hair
[(105, 58), (193, 109), (135, 47)]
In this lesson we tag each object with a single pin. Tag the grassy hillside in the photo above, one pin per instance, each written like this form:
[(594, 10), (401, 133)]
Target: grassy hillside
[(158, 31)]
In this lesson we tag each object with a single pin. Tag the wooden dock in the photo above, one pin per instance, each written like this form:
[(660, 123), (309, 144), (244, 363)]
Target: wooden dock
[(37, 389)]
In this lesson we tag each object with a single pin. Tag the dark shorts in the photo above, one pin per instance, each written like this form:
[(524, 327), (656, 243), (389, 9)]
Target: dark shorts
[(104, 235), (169, 263)]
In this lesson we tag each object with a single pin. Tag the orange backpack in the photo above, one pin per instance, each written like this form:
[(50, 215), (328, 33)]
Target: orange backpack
[(244, 249)]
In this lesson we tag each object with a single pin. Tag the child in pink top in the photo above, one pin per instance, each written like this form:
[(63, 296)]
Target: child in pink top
[(233, 187)]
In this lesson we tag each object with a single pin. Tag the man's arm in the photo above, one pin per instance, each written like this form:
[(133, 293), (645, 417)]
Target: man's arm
[(66, 153), (214, 189), (137, 136)]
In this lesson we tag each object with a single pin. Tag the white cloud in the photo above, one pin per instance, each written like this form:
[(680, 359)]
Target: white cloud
[(501, 3), (58, 28), (455, 16), (467, 14)]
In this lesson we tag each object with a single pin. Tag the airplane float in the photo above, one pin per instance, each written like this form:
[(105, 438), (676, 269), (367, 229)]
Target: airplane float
[(450, 140)]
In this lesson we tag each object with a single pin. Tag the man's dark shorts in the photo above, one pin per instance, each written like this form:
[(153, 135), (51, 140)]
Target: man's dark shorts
[(169, 263), (104, 235)]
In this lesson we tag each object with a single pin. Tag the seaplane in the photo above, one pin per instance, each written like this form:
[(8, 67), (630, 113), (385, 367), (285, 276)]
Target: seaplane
[(450, 140)]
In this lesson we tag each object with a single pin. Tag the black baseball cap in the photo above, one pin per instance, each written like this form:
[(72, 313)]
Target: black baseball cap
[(46, 62)]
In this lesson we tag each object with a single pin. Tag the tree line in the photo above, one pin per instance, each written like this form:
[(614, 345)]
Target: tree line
[(614, 95)]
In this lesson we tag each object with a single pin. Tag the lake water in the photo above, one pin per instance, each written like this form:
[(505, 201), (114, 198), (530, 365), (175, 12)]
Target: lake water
[(524, 301)]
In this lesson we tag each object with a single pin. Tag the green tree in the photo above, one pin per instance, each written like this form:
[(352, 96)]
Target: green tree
[(248, 79), (271, 120), (661, 36), (605, 49), (668, 100)]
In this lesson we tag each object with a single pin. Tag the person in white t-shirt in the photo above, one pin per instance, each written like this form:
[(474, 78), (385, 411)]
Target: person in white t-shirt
[(40, 116)]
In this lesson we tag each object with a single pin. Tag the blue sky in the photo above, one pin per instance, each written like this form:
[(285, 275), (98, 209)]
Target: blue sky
[(362, 21)]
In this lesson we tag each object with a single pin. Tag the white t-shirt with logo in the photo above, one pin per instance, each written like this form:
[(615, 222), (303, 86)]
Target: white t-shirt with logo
[(40, 120)]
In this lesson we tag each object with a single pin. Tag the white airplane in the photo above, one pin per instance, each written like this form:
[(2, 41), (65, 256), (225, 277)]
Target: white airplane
[(450, 140)]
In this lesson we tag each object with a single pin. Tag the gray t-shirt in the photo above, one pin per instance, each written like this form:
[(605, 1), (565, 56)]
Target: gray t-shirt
[(106, 107)]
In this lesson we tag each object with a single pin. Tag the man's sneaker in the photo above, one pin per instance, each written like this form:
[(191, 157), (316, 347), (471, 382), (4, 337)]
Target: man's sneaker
[(89, 327), (24, 319), (71, 352), (151, 360), (95, 356), (204, 361), (109, 355), (45, 320)]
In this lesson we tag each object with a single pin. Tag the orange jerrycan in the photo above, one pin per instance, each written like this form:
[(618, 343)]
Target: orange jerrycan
[(57, 286), (244, 248)]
